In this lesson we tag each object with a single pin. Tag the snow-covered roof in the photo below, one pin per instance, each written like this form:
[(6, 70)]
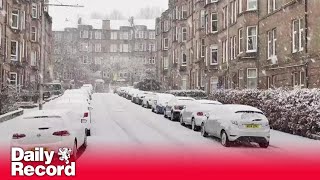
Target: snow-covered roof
[(97, 23)]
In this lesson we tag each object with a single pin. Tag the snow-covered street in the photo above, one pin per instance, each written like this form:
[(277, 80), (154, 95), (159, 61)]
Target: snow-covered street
[(119, 123)]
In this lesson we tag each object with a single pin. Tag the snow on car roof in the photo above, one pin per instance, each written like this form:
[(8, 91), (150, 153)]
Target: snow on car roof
[(61, 112), (208, 102), (184, 98), (233, 108)]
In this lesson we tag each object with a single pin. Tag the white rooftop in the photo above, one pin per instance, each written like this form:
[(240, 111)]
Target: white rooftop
[(97, 23)]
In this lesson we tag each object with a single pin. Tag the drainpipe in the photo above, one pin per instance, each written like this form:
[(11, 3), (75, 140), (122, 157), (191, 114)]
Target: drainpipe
[(306, 40)]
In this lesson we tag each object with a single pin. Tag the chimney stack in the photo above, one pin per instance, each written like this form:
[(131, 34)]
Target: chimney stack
[(106, 25)]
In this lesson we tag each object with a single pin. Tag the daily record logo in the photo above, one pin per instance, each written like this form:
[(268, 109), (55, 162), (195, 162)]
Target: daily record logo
[(39, 155)]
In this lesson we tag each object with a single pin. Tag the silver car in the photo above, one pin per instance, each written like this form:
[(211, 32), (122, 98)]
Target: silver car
[(194, 114), (237, 123)]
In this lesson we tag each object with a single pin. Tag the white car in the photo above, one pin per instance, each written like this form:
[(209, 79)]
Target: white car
[(50, 130), (148, 100), (78, 106), (89, 87), (237, 123), (194, 114), (175, 106), (160, 101), (77, 94)]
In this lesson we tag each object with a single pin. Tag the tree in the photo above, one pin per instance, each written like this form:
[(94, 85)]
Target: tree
[(149, 13), (148, 85), (115, 15)]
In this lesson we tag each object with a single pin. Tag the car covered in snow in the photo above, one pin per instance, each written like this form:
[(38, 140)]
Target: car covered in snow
[(79, 94), (237, 123), (160, 101), (50, 129), (175, 106), (194, 114), (148, 100), (78, 106)]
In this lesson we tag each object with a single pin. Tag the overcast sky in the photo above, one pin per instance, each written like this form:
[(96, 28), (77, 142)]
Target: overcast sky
[(103, 7)]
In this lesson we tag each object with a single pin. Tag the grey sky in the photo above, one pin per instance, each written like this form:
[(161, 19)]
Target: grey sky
[(127, 7)]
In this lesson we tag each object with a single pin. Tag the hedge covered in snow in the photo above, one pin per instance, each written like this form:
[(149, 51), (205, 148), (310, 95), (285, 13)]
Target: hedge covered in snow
[(291, 111), (198, 94)]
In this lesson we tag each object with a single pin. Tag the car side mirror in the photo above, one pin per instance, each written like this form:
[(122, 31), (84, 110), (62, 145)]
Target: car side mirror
[(83, 121)]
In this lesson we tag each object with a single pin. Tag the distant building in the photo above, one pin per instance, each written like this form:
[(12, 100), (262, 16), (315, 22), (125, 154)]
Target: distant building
[(116, 50)]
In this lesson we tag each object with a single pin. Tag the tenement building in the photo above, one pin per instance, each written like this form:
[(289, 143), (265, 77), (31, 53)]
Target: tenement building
[(239, 44), (21, 41), (118, 51)]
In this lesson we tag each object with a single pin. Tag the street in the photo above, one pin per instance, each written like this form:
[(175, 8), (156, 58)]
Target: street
[(116, 122)]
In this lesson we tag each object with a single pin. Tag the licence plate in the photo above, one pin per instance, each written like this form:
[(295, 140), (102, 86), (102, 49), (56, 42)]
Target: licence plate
[(252, 126)]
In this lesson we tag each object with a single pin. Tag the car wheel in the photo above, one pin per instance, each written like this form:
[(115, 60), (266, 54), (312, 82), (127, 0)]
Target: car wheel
[(264, 145), (74, 155), (194, 127), (224, 139), (203, 131), (171, 117), (88, 132), (181, 121), (85, 143)]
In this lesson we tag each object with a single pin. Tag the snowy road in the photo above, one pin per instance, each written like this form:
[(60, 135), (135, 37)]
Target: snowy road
[(119, 123)]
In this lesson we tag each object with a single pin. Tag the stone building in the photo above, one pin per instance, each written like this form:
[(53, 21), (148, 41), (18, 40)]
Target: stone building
[(116, 51), (21, 41), (243, 44)]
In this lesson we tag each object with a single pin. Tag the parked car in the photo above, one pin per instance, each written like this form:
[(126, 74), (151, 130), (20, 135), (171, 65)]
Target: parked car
[(237, 123), (51, 130), (77, 94), (140, 96), (148, 100), (160, 101), (175, 106), (89, 87), (78, 106), (131, 93), (194, 114)]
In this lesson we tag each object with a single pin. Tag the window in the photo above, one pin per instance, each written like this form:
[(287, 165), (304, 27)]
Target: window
[(85, 59), (113, 48), (15, 19), (34, 12), (252, 39), (84, 47), (225, 16), (234, 47), (252, 5), (272, 43), (240, 35), (152, 47), (232, 4), (297, 35), (153, 60), (97, 35), (184, 59), (184, 34), (184, 83), (23, 20), (207, 23), (0, 35), (14, 50), (202, 18), (214, 84), (214, 55), (152, 35), (124, 47), (214, 22), (184, 12), (33, 34), (13, 78), (97, 60), (165, 43), (231, 48), (252, 78), (203, 48), (166, 26), (271, 6), (223, 51), (84, 34), (114, 35), (124, 35), (240, 6), (165, 62), (97, 48), (298, 79), (33, 58)]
